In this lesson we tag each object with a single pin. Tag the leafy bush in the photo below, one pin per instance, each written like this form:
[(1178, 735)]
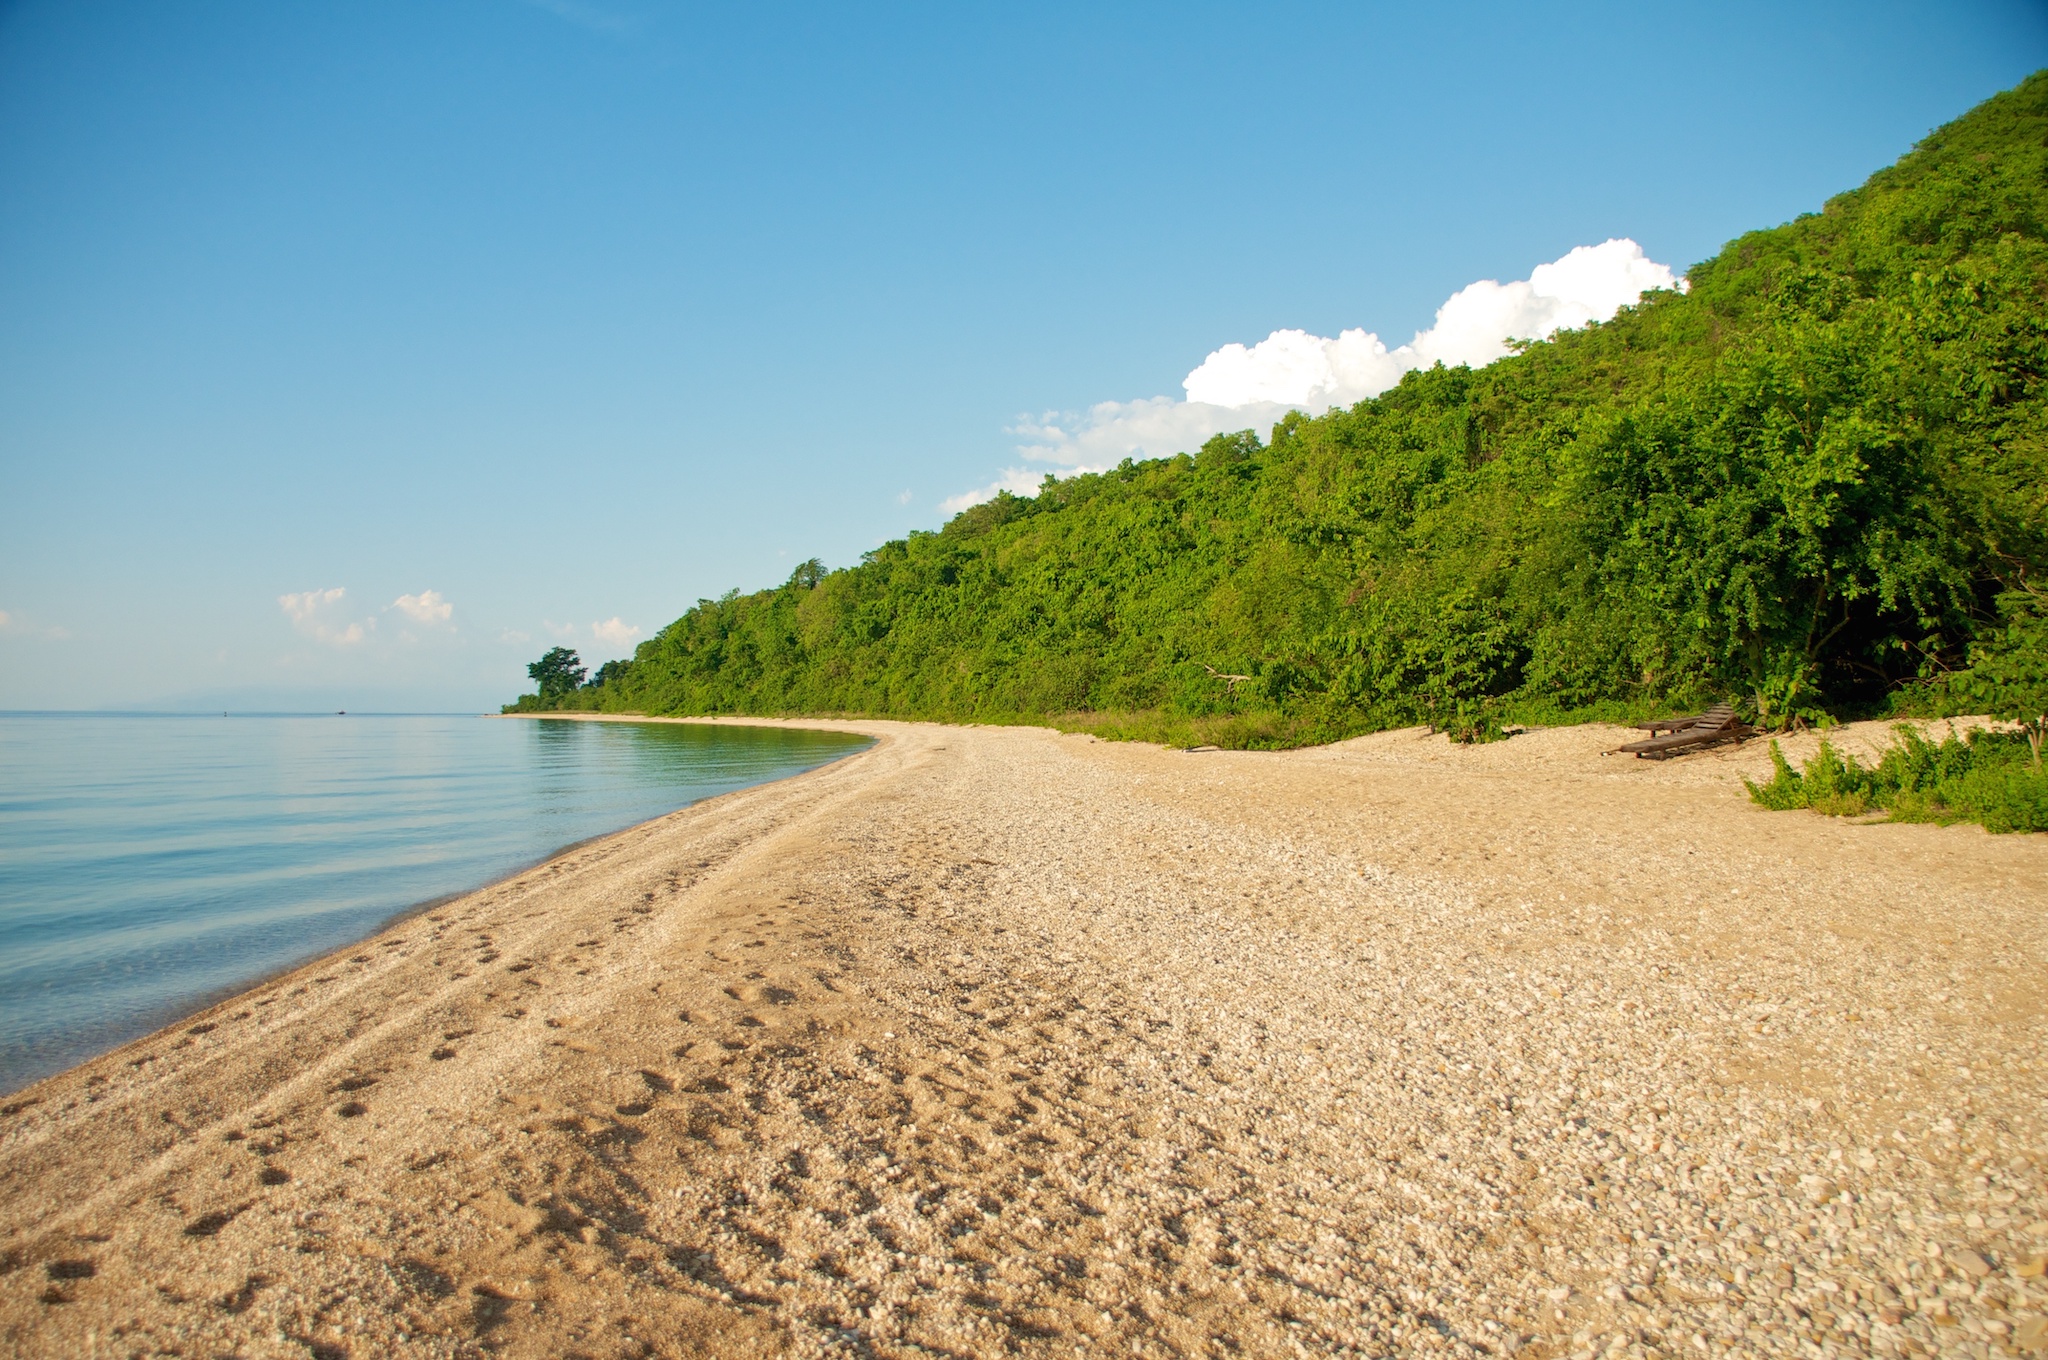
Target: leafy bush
[(1982, 777), (2008, 677)]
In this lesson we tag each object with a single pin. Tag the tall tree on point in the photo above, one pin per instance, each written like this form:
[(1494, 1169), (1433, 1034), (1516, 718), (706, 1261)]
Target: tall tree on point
[(556, 673)]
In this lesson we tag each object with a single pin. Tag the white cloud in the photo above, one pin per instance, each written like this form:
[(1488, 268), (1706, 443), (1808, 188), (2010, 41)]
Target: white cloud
[(614, 631), (513, 635), (15, 623), (1294, 368), (306, 609), (425, 607), (302, 606), (1111, 431), (1016, 481), (1241, 386)]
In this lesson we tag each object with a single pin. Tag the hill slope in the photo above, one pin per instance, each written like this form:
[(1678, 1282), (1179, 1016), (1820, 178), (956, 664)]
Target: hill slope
[(1808, 482)]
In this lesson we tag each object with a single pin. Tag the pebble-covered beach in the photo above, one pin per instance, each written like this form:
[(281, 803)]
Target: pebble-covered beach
[(999, 1041)]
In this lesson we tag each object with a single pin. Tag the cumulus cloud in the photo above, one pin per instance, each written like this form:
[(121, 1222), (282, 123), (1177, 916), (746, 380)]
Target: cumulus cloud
[(614, 631), (425, 607), (309, 609), (1294, 368), (1240, 386)]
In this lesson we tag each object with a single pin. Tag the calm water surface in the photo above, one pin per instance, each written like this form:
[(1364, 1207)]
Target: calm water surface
[(149, 864)]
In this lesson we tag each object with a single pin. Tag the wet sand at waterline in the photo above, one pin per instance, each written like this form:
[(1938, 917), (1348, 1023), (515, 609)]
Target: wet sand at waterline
[(994, 1040)]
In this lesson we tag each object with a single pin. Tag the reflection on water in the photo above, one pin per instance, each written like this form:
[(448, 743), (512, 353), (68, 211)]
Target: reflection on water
[(150, 863)]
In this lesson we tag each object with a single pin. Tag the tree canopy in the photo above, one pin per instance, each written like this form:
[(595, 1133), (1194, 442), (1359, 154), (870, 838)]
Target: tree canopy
[(557, 673), (1813, 482)]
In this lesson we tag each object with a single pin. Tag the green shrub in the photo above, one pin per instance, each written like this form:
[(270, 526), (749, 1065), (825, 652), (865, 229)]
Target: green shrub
[(1785, 791), (1982, 777)]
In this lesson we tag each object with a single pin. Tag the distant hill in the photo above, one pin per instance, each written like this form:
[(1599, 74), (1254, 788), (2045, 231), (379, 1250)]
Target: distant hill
[(1811, 483)]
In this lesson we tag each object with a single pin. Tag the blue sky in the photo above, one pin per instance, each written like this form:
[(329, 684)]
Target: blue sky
[(576, 312)]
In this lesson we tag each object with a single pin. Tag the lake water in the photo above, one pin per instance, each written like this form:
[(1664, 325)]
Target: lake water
[(151, 864)]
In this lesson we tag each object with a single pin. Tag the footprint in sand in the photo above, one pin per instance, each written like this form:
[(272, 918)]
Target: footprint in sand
[(209, 1225), (242, 1299), (754, 994)]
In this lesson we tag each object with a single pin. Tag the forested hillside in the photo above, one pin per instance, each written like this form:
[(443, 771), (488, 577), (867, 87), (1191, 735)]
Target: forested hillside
[(1814, 483)]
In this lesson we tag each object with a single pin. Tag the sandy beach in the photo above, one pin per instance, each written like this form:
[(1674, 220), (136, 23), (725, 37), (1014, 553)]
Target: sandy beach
[(995, 1041)]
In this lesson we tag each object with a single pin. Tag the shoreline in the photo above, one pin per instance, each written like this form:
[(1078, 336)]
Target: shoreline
[(1007, 1039), (233, 995), (172, 1013)]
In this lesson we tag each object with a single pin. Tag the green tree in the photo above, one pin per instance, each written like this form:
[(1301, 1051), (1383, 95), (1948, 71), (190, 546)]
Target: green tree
[(556, 673)]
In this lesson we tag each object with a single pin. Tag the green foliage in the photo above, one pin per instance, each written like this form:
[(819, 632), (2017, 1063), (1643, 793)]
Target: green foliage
[(1806, 483), (556, 673), (2009, 675), (1786, 790), (1984, 777)]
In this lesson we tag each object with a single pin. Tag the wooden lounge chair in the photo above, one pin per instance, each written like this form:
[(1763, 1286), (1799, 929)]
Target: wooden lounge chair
[(1717, 724)]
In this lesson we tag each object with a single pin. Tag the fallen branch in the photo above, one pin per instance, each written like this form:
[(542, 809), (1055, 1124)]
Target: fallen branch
[(1230, 682)]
